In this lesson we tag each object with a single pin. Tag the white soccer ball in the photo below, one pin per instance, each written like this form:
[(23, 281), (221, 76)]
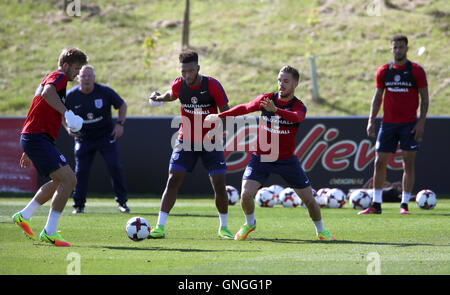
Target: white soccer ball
[(276, 190), (265, 198), (137, 228), (426, 199), (335, 198), (289, 198), (320, 197), (233, 194), (360, 199)]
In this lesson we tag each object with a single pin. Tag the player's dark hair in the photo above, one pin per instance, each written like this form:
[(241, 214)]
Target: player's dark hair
[(399, 37), (72, 55), (291, 70), (187, 56)]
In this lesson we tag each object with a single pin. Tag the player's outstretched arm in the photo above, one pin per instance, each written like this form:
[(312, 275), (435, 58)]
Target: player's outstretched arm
[(156, 96)]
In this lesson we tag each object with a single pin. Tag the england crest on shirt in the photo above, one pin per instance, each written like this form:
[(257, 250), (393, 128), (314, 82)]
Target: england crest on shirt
[(98, 103)]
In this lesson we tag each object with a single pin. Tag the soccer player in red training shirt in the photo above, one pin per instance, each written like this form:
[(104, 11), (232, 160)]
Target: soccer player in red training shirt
[(39, 133), (199, 96), (402, 82), (281, 115)]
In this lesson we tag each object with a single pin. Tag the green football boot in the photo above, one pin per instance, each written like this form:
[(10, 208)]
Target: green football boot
[(224, 233), (157, 232)]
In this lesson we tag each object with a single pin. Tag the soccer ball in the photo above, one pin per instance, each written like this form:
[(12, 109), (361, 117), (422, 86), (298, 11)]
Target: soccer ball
[(276, 190), (233, 194), (137, 228), (289, 198), (426, 199), (335, 198), (360, 199), (265, 198), (320, 197)]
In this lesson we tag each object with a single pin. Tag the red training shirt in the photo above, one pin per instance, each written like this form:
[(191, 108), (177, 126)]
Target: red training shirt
[(401, 107), (286, 134), (42, 118), (215, 90)]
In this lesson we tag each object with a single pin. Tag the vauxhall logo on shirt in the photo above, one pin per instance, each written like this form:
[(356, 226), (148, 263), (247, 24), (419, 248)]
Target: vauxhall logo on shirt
[(398, 85)]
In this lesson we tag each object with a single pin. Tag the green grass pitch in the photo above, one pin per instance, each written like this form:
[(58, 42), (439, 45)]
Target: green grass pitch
[(283, 243)]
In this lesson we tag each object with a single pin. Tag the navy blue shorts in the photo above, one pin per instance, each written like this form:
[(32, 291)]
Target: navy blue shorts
[(392, 133), (290, 169), (185, 160), (41, 150)]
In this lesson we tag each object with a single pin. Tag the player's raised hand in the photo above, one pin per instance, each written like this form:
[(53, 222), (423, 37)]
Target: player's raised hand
[(268, 105), (154, 95), (154, 99)]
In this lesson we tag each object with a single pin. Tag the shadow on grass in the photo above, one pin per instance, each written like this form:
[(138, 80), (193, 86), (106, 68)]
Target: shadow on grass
[(298, 241), (176, 214), (170, 249)]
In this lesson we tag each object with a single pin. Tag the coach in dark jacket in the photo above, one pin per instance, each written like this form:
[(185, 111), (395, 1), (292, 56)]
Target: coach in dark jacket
[(93, 102)]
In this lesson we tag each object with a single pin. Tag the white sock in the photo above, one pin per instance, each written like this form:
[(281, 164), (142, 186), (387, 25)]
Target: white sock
[(405, 197), (250, 219), (318, 225), (223, 219), (377, 196), (29, 209), (162, 217), (52, 222)]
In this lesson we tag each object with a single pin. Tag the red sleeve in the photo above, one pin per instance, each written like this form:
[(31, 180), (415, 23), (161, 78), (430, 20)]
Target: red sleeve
[(243, 109), (380, 76), (57, 78), (297, 114), (217, 92), (419, 76), (176, 86)]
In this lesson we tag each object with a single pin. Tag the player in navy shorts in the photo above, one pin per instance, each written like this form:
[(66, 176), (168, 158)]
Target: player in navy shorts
[(289, 168), (38, 137), (281, 115), (93, 102), (199, 96), (402, 82)]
